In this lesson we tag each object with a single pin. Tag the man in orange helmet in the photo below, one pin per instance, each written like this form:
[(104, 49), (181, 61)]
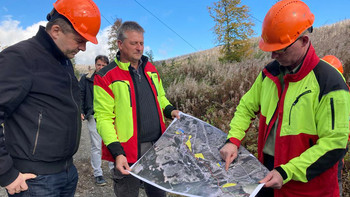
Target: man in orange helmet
[(40, 103), (336, 63), (303, 105)]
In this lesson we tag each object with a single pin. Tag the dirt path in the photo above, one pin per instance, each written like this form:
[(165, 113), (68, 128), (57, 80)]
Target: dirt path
[(86, 184)]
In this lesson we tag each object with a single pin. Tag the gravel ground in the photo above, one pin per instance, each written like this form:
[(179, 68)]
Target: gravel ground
[(86, 184)]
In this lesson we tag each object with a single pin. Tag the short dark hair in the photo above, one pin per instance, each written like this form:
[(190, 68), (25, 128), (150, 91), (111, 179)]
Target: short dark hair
[(128, 26), (55, 18), (102, 58)]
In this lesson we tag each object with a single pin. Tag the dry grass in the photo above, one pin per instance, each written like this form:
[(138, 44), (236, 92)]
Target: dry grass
[(198, 84)]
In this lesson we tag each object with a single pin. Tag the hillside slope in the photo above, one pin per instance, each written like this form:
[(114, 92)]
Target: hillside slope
[(198, 84)]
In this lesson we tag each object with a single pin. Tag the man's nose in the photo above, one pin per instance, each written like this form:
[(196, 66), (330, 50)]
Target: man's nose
[(82, 46), (139, 47)]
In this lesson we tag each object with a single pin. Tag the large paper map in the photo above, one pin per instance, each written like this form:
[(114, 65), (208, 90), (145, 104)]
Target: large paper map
[(186, 161)]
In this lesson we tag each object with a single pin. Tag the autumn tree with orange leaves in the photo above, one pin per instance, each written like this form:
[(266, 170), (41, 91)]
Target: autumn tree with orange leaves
[(232, 29)]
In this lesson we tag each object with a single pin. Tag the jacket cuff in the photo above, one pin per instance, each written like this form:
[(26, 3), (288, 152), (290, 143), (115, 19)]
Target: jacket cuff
[(234, 141), (8, 177), (116, 149), (167, 111), (282, 172)]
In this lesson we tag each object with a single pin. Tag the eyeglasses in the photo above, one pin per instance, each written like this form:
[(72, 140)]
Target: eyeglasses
[(281, 51)]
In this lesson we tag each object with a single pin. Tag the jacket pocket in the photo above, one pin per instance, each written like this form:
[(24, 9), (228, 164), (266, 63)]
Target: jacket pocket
[(120, 88), (40, 117), (50, 136), (123, 109), (331, 102), (295, 102)]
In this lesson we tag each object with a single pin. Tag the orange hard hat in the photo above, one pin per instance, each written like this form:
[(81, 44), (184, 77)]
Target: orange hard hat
[(334, 61), (284, 23), (84, 15)]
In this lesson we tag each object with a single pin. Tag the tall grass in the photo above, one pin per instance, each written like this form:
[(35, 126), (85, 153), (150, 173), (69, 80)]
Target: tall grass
[(198, 84)]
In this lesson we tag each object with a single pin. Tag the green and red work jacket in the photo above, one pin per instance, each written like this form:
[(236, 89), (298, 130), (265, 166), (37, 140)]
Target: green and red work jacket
[(313, 126), (115, 108)]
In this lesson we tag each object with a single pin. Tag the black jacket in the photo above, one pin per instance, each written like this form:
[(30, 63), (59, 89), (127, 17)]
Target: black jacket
[(40, 109), (86, 84)]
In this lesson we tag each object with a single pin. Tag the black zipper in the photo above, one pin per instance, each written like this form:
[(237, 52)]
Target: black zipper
[(137, 115), (332, 112), (77, 108), (71, 91), (138, 74), (296, 101), (37, 132), (3, 128)]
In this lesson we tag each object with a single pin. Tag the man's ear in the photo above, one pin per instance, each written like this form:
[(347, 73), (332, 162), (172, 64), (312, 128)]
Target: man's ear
[(119, 43), (305, 39), (54, 31)]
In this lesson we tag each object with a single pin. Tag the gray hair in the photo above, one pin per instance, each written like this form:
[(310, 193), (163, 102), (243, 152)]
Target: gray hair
[(128, 26)]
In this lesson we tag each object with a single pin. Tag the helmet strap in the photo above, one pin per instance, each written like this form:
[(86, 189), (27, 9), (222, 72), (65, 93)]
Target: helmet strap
[(310, 29)]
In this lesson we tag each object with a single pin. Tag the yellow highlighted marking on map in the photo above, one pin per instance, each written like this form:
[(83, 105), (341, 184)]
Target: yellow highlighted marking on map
[(199, 155), (229, 185), (177, 132), (188, 143)]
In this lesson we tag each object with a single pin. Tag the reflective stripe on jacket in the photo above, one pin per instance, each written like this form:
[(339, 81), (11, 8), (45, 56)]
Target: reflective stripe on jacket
[(313, 125), (115, 108)]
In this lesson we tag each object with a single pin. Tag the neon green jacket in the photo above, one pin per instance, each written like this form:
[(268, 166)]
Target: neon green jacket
[(115, 108), (313, 124)]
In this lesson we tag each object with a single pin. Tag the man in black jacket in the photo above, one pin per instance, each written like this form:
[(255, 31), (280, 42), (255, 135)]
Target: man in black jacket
[(87, 113), (40, 103)]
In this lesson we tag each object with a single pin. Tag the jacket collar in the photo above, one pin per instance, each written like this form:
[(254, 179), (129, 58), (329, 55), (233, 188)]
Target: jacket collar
[(46, 41), (309, 63), (125, 66)]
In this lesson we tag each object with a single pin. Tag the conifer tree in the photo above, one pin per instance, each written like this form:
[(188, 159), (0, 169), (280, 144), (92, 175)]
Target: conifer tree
[(150, 55), (232, 29)]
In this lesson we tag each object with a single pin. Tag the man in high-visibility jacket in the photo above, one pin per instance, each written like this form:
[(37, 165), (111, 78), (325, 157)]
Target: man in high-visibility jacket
[(304, 105), (336, 63), (130, 105)]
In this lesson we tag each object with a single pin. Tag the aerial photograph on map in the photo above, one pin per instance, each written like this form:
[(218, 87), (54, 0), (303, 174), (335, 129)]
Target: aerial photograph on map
[(186, 161)]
